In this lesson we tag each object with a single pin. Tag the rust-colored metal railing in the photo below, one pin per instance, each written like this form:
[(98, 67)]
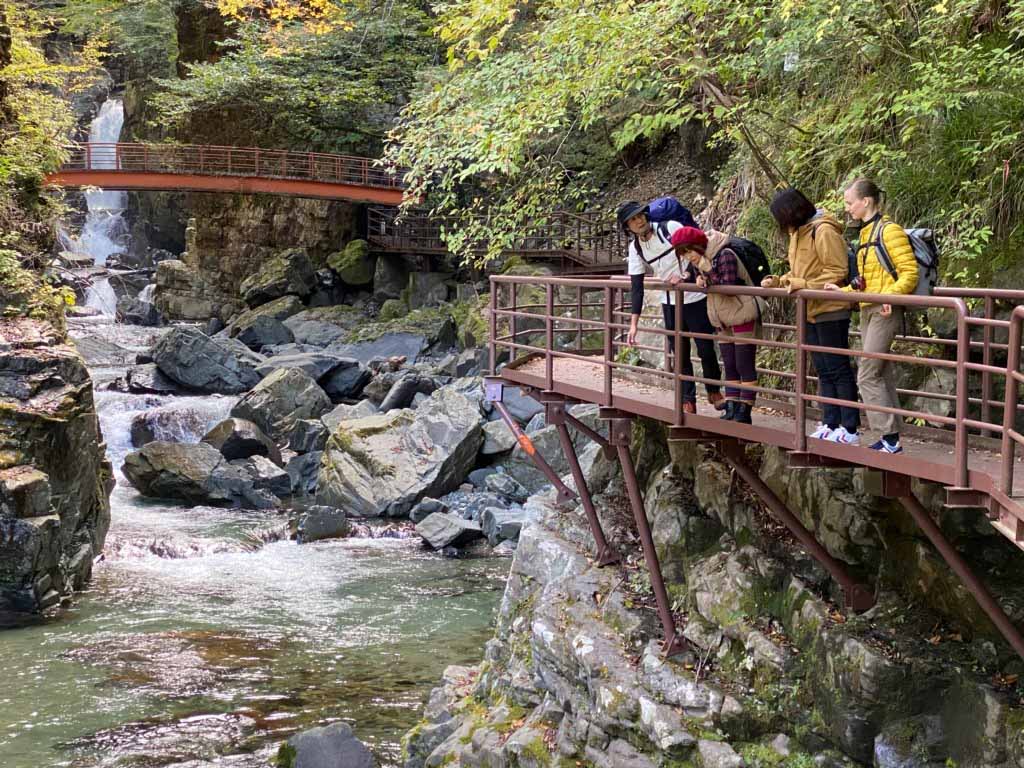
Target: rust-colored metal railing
[(109, 161), (583, 240), (565, 337)]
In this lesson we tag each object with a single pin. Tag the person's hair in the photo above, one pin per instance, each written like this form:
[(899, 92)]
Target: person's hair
[(863, 187), (791, 209)]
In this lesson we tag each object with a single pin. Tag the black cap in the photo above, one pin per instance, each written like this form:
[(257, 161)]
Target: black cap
[(628, 210)]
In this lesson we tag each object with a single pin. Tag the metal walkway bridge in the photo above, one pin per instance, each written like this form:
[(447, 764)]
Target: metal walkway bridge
[(588, 242), (187, 167), (563, 337)]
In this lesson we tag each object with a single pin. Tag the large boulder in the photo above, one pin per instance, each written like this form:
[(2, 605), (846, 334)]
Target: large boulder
[(344, 412), (54, 479), (442, 530), (332, 746), (190, 357), (319, 523), (240, 439), (387, 345), (136, 311), (289, 272), (384, 464), (354, 265), (196, 473), (405, 389), (315, 364), (278, 309), (264, 332), (324, 326), (346, 380), (500, 524), (280, 400), (148, 379), (304, 471), (265, 475)]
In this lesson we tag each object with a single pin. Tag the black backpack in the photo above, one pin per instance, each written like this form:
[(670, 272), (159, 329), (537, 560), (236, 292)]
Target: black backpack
[(753, 258)]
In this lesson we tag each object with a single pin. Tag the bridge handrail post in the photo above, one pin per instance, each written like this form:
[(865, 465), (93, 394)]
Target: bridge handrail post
[(256, 164), (986, 359), (492, 320), (549, 324), (1009, 445), (117, 157), (963, 348), (800, 383), (608, 347), (677, 366)]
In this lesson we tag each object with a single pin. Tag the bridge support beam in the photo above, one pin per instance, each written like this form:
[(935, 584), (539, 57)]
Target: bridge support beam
[(554, 414), (620, 431), (856, 596), (493, 391), (967, 576)]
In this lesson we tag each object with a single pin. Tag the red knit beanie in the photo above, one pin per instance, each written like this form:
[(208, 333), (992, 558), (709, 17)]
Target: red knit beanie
[(690, 237)]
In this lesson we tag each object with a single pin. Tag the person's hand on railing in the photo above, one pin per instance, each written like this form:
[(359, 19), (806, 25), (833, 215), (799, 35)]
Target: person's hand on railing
[(886, 310), (770, 281), (701, 281), (831, 287)]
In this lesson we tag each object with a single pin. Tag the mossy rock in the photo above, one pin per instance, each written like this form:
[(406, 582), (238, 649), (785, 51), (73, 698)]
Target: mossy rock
[(471, 321), (434, 325), (392, 309), (354, 265), (24, 294)]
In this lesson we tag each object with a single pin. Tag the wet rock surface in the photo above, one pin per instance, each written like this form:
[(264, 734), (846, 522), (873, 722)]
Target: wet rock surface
[(54, 478)]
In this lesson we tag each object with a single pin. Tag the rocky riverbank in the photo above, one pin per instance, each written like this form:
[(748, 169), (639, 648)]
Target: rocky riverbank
[(777, 674)]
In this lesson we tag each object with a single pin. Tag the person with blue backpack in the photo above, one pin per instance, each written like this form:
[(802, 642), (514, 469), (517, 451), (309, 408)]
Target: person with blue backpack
[(886, 263), (650, 229)]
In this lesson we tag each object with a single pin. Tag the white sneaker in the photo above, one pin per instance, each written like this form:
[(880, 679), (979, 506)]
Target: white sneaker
[(822, 432), (840, 435)]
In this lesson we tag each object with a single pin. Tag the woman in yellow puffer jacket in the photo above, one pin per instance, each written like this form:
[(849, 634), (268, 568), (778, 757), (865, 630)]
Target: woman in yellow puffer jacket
[(879, 323)]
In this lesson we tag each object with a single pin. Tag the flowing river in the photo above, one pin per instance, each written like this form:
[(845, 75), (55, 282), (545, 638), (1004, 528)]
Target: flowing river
[(198, 645)]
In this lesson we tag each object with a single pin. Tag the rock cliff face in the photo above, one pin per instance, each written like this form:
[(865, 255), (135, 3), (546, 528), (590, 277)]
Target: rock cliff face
[(777, 675), (54, 479), (232, 238)]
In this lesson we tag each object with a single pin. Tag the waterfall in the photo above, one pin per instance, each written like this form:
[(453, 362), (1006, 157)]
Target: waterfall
[(104, 232), (101, 296)]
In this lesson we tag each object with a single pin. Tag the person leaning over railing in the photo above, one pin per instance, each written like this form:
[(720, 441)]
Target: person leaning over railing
[(736, 317), (650, 248), (817, 257), (879, 323)]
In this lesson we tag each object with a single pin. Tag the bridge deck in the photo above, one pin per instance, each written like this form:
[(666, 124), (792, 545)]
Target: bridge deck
[(927, 456)]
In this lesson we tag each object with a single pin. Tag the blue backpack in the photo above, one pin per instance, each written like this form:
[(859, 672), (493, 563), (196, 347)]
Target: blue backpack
[(669, 209)]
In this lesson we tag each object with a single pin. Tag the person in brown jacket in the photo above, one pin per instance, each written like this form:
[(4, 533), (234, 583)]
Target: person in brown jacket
[(736, 317), (817, 257)]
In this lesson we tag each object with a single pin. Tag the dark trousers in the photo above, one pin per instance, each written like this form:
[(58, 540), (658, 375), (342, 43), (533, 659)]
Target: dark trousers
[(695, 320), (835, 374), (740, 368)]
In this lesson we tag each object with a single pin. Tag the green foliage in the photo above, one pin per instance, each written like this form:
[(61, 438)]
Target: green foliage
[(922, 96), (24, 294), (141, 31), (329, 90)]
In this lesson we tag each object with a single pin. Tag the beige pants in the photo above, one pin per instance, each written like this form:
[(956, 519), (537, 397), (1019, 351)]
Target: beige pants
[(877, 378)]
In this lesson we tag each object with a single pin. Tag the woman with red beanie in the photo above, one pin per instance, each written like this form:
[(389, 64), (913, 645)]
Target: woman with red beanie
[(734, 316)]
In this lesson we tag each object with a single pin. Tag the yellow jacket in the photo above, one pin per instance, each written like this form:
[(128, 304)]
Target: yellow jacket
[(817, 255), (876, 278)]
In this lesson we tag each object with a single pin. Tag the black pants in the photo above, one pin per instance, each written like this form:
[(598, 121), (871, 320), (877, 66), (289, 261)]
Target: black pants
[(695, 320), (835, 374)]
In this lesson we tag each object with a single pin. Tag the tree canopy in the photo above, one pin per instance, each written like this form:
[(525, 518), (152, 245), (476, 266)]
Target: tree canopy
[(922, 96)]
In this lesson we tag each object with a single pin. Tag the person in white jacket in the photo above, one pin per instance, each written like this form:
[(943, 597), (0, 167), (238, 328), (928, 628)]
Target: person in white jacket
[(651, 248)]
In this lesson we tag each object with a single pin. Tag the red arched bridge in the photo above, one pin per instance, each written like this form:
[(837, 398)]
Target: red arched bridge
[(562, 338), (186, 167)]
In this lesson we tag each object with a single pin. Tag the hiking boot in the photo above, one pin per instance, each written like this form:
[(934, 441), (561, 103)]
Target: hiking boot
[(742, 413), (689, 407), (730, 411), (717, 400)]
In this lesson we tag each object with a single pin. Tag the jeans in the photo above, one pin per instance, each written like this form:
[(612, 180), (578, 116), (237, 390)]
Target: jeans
[(695, 320), (835, 373), (740, 362)]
